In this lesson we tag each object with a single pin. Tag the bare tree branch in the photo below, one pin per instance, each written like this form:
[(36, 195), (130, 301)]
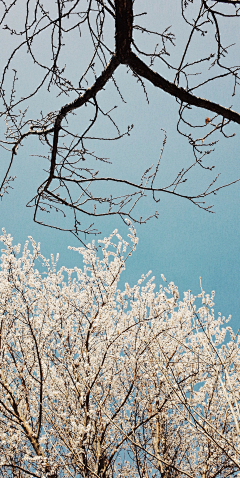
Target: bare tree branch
[(66, 149)]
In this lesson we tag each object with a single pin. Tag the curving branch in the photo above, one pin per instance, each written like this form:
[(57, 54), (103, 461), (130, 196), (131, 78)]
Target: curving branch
[(82, 100), (141, 69), (68, 149)]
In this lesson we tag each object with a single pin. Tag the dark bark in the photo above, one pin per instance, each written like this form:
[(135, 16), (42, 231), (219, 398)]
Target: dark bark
[(50, 129), (139, 67)]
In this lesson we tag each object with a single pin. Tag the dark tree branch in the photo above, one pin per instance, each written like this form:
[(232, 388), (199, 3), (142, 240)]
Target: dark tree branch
[(67, 150), (139, 67), (123, 28), (88, 95)]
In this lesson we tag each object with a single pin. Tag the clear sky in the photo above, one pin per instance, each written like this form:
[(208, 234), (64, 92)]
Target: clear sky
[(184, 242)]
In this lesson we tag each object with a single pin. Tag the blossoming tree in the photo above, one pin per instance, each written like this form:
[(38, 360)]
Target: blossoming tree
[(99, 382)]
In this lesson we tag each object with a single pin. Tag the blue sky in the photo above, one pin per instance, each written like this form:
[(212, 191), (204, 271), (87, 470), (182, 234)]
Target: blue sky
[(184, 242)]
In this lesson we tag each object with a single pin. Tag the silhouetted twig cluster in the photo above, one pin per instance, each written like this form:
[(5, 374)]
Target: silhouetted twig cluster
[(71, 184)]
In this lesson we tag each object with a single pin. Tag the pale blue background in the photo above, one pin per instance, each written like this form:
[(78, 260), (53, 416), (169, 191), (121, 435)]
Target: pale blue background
[(185, 242)]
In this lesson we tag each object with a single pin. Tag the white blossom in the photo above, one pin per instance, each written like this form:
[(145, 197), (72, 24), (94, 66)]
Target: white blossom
[(98, 381)]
